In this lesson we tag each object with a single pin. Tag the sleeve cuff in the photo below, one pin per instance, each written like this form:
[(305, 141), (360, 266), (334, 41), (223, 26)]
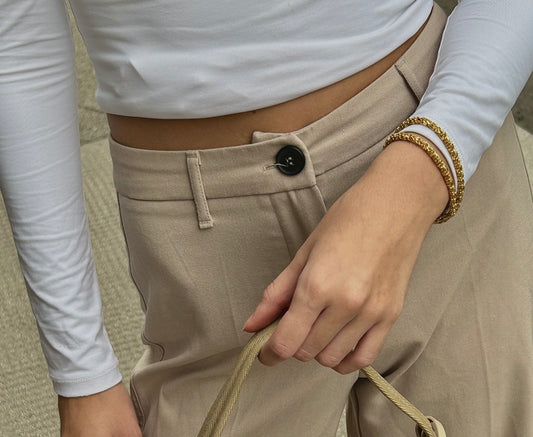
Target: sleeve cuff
[(88, 386), (437, 142)]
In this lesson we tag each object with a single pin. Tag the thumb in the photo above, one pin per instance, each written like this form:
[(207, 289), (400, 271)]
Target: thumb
[(276, 297)]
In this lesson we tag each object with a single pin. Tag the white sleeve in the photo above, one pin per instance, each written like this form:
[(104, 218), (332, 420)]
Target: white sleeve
[(485, 59), (40, 178)]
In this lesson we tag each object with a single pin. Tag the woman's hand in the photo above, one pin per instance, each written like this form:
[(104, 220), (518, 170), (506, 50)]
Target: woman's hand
[(345, 287), (106, 414)]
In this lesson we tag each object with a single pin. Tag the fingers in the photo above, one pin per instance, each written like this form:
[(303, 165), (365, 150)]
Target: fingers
[(308, 302), (328, 326), (332, 353), (337, 336), (291, 332), (341, 321), (366, 350), (276, 298), (314, 318)]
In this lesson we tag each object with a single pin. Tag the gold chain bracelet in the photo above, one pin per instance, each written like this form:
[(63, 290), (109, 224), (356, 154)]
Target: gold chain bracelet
[(452, 206), (449, 146)]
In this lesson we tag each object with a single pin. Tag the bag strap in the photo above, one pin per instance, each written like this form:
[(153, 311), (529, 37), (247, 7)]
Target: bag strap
[(227, 397)]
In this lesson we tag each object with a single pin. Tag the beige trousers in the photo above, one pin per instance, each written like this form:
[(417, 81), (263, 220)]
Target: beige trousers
[(208, 230)]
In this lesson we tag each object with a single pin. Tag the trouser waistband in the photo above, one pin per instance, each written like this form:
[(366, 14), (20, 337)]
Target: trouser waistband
[(251, 169)]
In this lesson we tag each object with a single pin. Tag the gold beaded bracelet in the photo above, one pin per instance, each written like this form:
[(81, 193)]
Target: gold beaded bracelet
[(452, 206), (449, 146)]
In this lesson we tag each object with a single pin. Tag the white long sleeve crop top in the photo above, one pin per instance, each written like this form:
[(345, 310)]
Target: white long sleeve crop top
[(189, 59)]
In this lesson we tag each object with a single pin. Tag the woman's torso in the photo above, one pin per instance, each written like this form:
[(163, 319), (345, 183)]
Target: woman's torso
[(168, 59)]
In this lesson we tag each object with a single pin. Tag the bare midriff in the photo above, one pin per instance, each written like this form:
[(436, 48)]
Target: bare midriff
[(236, 129)]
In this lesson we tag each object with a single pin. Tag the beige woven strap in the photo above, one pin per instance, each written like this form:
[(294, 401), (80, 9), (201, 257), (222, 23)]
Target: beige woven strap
[(221, 409), (425, 426)]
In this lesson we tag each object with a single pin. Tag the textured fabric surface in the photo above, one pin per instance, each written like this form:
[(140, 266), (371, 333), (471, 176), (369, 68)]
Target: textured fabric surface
[(27, 403), (467, 316), (27, 400), (200, 285)]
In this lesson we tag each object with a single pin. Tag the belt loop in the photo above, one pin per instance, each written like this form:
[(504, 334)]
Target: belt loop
[(195, 178), (410, 77)]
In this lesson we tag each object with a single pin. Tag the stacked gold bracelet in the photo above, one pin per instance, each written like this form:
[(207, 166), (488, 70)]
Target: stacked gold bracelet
[(455, 194)]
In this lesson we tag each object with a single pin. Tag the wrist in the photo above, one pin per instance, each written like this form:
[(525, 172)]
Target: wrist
[(413, 177), (109, 412), (451, 170)]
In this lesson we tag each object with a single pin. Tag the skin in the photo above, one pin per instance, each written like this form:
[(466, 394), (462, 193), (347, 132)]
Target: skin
[(341, 293), (106, 414), (345, 287)]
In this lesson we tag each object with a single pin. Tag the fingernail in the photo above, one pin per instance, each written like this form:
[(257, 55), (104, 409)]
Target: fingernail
[(246, 323)]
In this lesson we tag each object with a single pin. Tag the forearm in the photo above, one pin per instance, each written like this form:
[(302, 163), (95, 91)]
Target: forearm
[(40, 176), (485, 58)]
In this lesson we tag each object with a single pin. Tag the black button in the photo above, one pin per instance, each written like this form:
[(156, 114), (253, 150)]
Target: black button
[(290, 160)]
